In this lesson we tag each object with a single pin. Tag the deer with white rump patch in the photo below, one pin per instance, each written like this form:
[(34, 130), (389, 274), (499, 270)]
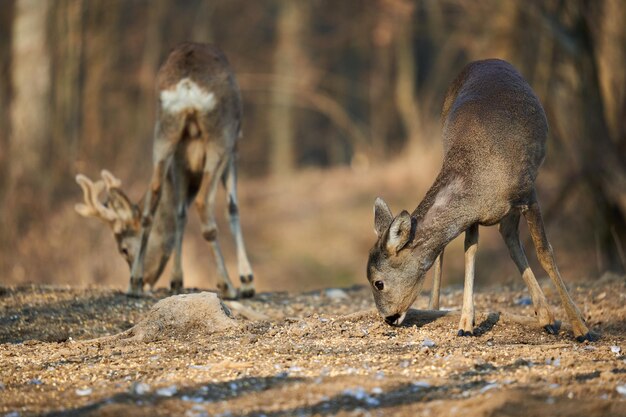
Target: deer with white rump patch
[(494, 134), (195, 147)]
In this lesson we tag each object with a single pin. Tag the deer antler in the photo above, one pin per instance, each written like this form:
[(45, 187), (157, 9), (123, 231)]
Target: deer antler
[(110, 181), (93, 207)]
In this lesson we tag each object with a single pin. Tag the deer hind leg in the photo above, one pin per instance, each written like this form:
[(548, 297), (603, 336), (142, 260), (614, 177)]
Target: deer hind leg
[(164, 146), (509, 229), (466, 325), (243, 264), (434, 295), (546, 258), (205, 203), (181, 185)]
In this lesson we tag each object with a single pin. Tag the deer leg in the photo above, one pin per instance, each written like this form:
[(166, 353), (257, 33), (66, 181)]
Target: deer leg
[(509, 229), (162, 156), (434, 295), (205, 203), (546, 258), (466, 325), (243, 264), (180, 189)]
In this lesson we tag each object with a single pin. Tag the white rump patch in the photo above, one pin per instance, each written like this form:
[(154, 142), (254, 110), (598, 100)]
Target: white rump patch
[(187, 95)]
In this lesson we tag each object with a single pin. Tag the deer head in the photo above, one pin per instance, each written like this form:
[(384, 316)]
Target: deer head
[(395, 274), (122, 216)]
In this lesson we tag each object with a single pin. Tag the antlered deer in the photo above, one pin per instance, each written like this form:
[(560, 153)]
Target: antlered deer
[(195, 147), (494, 134)]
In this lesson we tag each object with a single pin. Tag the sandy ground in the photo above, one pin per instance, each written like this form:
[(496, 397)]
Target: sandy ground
[(319, 353)]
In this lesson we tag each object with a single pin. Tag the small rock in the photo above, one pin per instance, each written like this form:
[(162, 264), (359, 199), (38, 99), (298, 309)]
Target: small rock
[(336, 294), (196, 399), (200, 367), (488, 387), (420, 384), (553, 361), (428, 343), (616, 349), (83, 392), (196, 413), (524, 301), (12, 414), (621, 389), (35, 381), (140, 388), (361, 395), (167, 391)]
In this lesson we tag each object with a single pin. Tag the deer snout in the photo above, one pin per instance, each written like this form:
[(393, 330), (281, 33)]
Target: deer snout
[(396, 319)]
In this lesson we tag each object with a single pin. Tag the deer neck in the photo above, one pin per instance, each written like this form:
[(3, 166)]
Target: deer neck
[(441, 216)]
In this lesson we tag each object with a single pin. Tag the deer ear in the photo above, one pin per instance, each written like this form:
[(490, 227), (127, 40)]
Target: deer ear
[(400, 232), (382, 216)]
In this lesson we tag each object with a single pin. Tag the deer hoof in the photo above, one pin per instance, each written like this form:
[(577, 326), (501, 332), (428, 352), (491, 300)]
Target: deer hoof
[(227, 292), (247, 287), (246, 292), (176, 287), (135, 288), (553, 328), (590, 336), (464, 333), (210, 234)]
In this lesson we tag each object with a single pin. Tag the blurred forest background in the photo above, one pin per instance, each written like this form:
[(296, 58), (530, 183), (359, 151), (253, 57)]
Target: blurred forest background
[(341, 104)]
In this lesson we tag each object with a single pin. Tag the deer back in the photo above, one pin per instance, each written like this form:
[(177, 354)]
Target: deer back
[(494, 133), (196, 85)]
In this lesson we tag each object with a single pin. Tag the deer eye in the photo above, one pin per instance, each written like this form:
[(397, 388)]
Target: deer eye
[(379, 285)]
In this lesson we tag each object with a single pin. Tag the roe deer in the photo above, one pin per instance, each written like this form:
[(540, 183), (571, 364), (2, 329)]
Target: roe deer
[(195, 146), (494, 133)]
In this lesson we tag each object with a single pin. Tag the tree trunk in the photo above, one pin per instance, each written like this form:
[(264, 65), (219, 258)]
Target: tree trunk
[(30, 108), (288, 64), (6, 25), (380, 80), (406, 76), (67, 28)]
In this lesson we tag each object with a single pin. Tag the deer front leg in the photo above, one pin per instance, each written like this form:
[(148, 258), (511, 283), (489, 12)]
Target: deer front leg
[(509, 229), (151, 202), (434, 295), (546, 258), (166, 139), (205, 203), (180, 197), (243, 264), (466, 325)]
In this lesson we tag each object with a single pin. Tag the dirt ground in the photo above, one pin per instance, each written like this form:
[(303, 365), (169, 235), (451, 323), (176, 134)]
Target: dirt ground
[(320, 353)]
